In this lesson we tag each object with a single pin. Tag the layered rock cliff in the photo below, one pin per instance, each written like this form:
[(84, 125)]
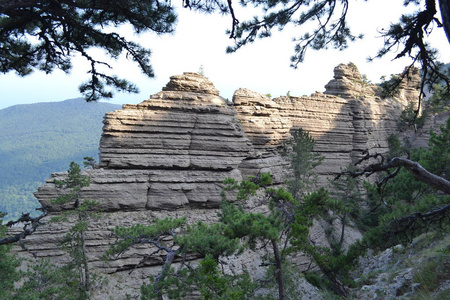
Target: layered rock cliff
[(346, 120), (171, 151), (168, 155)]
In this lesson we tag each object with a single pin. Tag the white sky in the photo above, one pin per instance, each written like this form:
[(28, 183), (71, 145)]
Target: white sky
[(263, 66)]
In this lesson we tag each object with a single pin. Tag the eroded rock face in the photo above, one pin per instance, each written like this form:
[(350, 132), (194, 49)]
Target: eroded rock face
[(191, 82), (410, 86), (175, 149), (168, 156), (343, 127), (348, 83), (171, 151)]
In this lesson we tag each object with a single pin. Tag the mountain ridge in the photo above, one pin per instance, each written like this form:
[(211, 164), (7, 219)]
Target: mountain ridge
[(38, 139)]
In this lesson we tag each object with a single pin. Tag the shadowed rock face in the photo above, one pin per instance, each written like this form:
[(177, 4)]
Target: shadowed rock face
[(345, 120), (168, 155)]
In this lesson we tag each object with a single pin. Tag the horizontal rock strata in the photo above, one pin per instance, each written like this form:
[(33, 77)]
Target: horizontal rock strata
[(343, 127), (167, 152), (168, 156)]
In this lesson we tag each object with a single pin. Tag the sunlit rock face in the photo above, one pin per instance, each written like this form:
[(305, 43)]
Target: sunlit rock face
[(175, 149), (172, 150), (168, 157), (347, 120), (348, 83)]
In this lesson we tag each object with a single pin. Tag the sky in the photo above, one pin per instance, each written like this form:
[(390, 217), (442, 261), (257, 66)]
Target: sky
[(264, 66)]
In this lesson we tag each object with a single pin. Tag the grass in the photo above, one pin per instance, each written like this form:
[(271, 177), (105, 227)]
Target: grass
[(431, 266)]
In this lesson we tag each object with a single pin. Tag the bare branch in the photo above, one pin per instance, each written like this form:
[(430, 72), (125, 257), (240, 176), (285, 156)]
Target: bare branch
[(234, 20), (416, 170), (29, 226), (417, 221)]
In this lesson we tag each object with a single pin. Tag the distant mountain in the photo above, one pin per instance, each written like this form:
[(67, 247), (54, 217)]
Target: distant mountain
[(39, 139)]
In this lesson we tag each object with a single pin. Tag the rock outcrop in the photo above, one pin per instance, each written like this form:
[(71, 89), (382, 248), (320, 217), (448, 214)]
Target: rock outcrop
[(168, 155), (404, 272), (349, 84), (346, 120), (171, 151)]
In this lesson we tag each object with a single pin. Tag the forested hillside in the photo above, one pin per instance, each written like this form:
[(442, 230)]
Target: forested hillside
[(39, 139)]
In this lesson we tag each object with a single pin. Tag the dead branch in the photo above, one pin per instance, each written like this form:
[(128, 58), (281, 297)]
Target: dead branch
[(417, 221), (30, 225), (416, 170)]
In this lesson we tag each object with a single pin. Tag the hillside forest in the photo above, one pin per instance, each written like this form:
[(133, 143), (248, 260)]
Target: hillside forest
[(39, 139)]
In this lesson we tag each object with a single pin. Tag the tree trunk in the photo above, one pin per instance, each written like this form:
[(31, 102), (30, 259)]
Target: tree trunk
[(341, 241), (87, 278), (416, 170), (420, 173), (279, 270), (84, 267), (166, 266), (444, 5)]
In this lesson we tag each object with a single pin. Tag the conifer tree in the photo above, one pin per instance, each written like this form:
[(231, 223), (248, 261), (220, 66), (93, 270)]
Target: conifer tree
[(303, 160), (74, 242), (174, 238), (8, 267), (409, 206)]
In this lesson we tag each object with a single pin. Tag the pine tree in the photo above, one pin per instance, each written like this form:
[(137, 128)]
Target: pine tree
[(303, 160), (9, 274), (74, 242)]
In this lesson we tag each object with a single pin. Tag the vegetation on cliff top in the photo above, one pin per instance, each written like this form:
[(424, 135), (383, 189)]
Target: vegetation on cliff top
[(60, 28)]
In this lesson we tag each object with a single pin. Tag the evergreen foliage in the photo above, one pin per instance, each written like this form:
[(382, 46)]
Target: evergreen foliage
[(216, 285), (389, 88), (440, 97), (400, 212), (346, 202), (282, 231), (43, 281), (303, 160), (74, 242), (176, 238), (8, 264), (410, 119), (45, 36), (330, 29)]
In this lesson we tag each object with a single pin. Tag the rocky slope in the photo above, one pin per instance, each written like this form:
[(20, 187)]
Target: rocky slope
[(168, 156), (419, 271)]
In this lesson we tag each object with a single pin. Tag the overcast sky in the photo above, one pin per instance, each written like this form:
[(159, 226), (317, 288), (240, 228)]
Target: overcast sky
[(200, 40)]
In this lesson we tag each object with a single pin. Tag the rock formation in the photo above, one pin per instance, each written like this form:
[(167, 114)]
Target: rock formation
[(345, 120), (348, 83), (171, 151), (168, 155)]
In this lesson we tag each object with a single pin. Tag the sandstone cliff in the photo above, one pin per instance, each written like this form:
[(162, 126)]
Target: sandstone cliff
[(174, 150), (168, 155)]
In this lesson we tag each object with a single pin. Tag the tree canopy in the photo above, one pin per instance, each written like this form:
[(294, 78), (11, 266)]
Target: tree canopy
[(44, 35), (408, 35)]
